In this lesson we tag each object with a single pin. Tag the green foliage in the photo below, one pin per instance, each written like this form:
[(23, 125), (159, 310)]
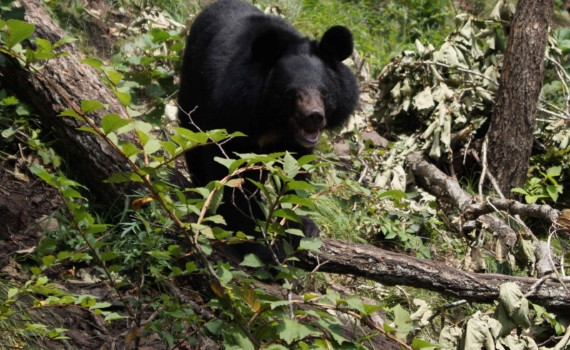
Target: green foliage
[(440, 91), (16, 300), (149, 158), (17, 123), (381, 29), (539, 189)]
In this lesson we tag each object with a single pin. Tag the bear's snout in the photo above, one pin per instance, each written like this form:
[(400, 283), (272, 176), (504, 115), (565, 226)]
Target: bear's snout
[(310, 111)]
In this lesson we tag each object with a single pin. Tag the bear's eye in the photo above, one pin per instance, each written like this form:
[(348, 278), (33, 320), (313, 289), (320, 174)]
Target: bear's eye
[(325, 92)]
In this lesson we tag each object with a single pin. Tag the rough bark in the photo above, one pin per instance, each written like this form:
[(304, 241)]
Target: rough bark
[(447, 188), (63, 82), (473, 207), (512, 123), (399, 269)]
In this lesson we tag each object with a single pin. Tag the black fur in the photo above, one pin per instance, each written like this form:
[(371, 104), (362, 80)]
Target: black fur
[(250, 72)]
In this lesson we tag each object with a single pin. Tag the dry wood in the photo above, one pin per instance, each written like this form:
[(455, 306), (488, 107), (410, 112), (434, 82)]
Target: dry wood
[(447, 188), (391, 268)]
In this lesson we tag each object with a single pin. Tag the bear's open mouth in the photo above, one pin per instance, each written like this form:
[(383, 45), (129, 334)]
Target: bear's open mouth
[(306, 136)]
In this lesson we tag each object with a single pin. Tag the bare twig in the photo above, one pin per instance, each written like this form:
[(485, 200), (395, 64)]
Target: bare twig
[(446, 307), (552, 232), (562, 343), (484, 165), (489, 176)]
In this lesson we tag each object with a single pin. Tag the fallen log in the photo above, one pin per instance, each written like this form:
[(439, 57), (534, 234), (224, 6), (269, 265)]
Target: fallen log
[(391, 268)]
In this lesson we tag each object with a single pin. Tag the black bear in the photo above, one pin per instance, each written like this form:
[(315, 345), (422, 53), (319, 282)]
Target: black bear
[(250, 72)]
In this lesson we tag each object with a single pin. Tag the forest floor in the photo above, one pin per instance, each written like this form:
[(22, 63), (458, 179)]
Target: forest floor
[(28, 208)]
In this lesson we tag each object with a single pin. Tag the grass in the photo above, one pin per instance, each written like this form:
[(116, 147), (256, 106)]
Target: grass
[(382, 29)]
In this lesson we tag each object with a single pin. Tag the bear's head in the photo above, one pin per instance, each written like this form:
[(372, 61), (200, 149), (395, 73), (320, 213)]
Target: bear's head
[(306, 87)]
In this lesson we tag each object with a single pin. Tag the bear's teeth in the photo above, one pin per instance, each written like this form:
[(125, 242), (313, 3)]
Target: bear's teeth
[(312, 135)]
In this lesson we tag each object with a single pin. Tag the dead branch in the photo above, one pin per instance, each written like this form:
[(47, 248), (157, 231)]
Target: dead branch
[(544, 212), (448, 189), (391, 268)]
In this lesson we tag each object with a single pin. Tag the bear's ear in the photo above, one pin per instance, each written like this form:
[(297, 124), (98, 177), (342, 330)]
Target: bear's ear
[(267, 47), (337, 43)]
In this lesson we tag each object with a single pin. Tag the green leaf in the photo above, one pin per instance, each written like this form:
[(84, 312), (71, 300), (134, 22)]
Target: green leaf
[(124, 98), (100, 305), (12, 292), (234, 339), (64, 40), (129, 149), (88, 106), (224, 273), (252, 260), (89, 129), (43, 45), (290, 166), (356, 303), (518, 190), (393, 194), (113, 316), (370, 309), (170, 147), (112, 122), (48, 260), (114, 77), (215, 326), (71, 113), (47, 246), (418, 344), (298, 185), (191, 267), (108, 255), (93, 62), (287, 214), (216, 219), (554, 171), (152, 147), (123, 177), (552, 192), (294, 199), (17, 31), (289, 331), (43, 174), (402, 321), (158, 35), (310, 243), (306, 159), (7, 133)]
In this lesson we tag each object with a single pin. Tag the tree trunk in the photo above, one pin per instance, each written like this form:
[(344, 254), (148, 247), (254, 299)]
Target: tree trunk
[(63, 82), (512, 123)]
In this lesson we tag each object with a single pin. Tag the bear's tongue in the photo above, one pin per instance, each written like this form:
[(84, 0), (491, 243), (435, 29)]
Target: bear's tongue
[(311, 135)]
